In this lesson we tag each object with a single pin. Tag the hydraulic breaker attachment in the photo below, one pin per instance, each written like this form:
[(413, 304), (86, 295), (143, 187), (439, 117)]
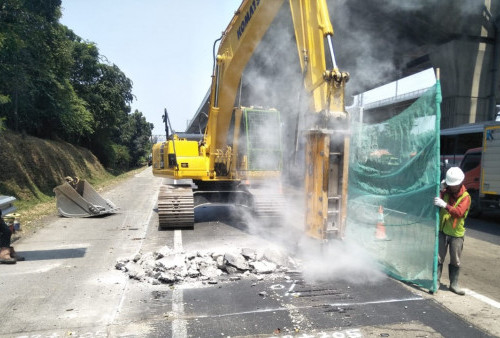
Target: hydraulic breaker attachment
[(326, 183), (81, 201)]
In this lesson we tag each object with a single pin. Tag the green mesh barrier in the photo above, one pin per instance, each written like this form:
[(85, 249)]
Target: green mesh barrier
[(393, 178)]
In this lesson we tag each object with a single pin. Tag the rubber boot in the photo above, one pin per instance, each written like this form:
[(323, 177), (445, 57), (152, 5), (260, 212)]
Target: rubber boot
[(454, 273), (14, 254), (5, 256), (439, 272)]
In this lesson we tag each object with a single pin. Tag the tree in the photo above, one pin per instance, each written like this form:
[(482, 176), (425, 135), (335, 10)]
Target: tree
[(55, 85), (136, 135), (35, 65)]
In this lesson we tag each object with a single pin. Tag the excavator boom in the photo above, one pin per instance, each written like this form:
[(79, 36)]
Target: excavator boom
[(214, 160)]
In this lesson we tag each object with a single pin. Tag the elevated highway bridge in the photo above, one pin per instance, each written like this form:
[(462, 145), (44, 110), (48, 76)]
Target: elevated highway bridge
[(381, 41)]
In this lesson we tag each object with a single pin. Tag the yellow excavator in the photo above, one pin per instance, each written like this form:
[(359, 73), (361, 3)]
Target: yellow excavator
[(238, 159)]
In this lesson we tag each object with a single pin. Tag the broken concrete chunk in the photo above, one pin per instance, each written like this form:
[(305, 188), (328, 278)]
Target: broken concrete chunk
[(192, 265), (180, 271), (263, 267), (167, 263), (259, 255), (237, 261), (121, 263), (249, 254), (191, 255), (147, 256), (220, 262), (193, 273), (217, 253), (162, 252), (153, 274), (206, 261), (275, 256), (147, 261), (231, 269), (135, 271), (167, 277), (168, 266), (210, 271)]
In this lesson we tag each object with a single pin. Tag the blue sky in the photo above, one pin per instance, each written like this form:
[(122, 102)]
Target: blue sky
[(163, 46)]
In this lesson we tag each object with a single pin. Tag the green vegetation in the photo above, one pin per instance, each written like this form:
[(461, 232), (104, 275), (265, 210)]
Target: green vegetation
[(54, 85), (64, 110)]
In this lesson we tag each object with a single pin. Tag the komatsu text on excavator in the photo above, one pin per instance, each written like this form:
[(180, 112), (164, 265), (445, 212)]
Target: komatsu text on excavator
[(234, 160)]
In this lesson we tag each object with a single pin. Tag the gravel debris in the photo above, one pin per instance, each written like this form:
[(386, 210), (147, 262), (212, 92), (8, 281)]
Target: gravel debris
[(166, 266)]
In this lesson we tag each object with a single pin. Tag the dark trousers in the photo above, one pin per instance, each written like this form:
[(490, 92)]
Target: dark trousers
[(455, 245), (5, 234)]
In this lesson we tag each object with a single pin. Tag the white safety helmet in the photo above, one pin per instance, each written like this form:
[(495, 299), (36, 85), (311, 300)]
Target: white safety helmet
[(454, 176)]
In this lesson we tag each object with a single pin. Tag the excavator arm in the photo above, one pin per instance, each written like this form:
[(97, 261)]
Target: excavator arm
[(239, 40), (327, 139), (327, 136), (312, 28), (325, 131)]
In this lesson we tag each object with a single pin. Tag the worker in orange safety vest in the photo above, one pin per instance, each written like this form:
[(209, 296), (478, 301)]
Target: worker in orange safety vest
[(454, 203)]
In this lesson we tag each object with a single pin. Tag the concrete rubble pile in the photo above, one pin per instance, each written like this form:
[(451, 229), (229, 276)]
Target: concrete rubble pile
[(166, 266)]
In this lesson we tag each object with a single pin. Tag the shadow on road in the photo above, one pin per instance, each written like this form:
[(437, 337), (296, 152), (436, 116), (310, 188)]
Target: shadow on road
[(40, 255), (218, 212), (273, 229), (485, 227)]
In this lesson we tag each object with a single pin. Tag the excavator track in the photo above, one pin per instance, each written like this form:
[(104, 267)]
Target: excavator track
[(175, 207), (267, 205)]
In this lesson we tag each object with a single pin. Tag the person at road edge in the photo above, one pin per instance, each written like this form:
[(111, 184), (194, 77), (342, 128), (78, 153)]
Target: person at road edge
[(454, 203), (7, 253)]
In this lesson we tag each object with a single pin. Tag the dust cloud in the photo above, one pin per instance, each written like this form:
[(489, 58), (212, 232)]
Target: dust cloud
[(273, 79), (332, 260)]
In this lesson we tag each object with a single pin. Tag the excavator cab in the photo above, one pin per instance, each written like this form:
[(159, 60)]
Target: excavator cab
[(258, 152)]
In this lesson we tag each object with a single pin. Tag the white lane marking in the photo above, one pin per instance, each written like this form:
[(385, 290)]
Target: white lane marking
[(179, 325), (178, 241), (72, 245), (291, 288), (281, 308), (482, 298), (383, 301), (145, 230)]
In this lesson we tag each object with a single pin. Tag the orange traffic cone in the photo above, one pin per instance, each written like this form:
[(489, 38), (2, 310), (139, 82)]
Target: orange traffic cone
[(380, 230)]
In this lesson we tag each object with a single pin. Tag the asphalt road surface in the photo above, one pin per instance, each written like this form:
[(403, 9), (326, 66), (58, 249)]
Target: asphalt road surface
[(69, 287)]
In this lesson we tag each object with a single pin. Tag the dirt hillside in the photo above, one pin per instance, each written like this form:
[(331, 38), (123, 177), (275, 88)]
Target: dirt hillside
[(30, 168)]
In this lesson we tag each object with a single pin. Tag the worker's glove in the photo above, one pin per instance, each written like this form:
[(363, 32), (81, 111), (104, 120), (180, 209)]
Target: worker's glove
[(443, 185), (439, 202)]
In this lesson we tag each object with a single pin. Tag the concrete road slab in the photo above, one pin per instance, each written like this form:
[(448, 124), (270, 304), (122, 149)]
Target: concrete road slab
[(68, 286)]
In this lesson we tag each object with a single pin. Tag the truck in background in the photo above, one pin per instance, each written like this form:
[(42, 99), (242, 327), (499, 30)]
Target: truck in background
[(482, 171), (456, 141)]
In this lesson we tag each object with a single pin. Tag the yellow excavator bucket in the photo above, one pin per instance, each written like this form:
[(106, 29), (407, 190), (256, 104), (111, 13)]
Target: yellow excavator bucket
[(81, 201)]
